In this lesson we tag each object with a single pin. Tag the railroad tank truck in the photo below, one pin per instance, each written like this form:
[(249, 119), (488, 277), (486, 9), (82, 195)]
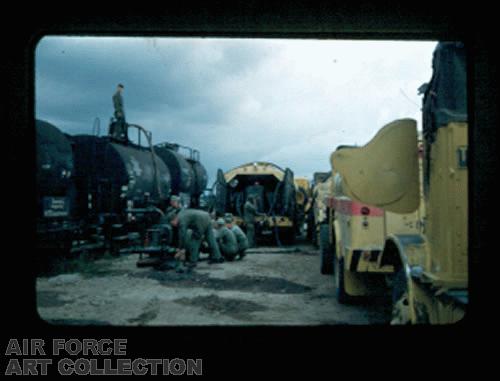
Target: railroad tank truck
[(189, 176), (275, 190), (430, 284), (122, 186), (55, 189)]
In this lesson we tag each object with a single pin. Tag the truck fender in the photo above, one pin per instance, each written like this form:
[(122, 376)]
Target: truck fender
[(405, 252)]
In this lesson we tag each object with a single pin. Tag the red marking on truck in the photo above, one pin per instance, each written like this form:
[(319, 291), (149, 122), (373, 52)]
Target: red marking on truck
[(353, 208)]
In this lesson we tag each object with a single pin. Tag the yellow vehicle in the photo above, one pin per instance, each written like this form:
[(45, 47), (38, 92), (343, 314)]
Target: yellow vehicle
[(360, 226), (274, 189), (430, 284), (316, 206), (302, 202), (321, 227)]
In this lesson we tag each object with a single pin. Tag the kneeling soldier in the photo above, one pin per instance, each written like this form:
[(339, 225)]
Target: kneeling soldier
[(200, 223), (241, 238), (227, 241)]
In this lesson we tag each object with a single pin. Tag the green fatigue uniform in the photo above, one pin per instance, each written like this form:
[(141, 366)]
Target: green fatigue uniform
[(249, 213), (200, 223), (227, 243), (241, 238), (120, 130)]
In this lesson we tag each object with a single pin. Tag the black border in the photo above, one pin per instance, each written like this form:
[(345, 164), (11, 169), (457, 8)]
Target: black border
[(241, 350)]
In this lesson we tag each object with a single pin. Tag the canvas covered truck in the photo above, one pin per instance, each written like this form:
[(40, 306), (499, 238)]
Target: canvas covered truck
[(275, 191), (430, 282)]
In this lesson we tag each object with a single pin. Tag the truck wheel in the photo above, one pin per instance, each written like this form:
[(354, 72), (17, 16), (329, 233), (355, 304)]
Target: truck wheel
[(290, 236), (342, 296), (400, 302), (326, 250)]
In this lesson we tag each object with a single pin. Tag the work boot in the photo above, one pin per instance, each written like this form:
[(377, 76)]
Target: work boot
[(215, 260), (180, 270)]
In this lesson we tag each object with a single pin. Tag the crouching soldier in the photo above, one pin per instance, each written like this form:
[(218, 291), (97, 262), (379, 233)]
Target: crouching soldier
[(226, 240), (241, 238), (200, 223)]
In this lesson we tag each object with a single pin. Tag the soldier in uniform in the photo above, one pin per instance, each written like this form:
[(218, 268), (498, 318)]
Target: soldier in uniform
[(226, 240), (174, 204), (241, 238), (249, 214), (120, 128), (200, 223)]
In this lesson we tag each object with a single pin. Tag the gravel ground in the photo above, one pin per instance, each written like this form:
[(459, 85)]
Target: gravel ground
[(270, 286)]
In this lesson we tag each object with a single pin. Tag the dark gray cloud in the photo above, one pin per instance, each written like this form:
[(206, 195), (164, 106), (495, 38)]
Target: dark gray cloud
[(237, 101)]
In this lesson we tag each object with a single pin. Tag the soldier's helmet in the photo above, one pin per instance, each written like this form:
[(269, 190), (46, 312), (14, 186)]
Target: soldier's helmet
[(220, 222), (228, 217)]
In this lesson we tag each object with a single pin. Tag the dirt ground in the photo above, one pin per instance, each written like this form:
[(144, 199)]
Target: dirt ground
[(270, 286)]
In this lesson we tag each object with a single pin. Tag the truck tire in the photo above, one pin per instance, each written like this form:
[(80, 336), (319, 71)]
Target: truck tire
[(400, 303), (342, 296), (325, 250)]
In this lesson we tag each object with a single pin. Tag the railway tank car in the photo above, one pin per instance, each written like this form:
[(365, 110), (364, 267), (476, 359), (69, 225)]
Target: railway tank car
[(189, 176), (118, 184), (55, 189)]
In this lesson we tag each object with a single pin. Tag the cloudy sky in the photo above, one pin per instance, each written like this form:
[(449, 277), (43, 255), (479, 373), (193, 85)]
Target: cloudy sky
[(291, 102)]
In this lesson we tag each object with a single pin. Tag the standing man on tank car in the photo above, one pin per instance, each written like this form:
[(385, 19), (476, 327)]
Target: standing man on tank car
[(120, 129), (200, 223)]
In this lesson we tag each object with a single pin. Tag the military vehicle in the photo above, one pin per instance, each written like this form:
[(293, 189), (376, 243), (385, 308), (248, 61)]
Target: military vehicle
[(275, 190), (302, 197), (430, 284), (359, 228), (316, 207)]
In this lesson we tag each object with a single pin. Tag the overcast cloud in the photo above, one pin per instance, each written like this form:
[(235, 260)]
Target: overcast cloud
[(291, 102)]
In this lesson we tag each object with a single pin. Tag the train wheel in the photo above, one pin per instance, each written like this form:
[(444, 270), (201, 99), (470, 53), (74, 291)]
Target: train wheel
[(326, 250), (400, 299), (342, 295)]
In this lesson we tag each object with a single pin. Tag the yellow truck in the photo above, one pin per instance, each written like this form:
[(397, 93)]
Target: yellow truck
[(429, 261), (358, 225), (274, 188), (302, 197), (316, 208)]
